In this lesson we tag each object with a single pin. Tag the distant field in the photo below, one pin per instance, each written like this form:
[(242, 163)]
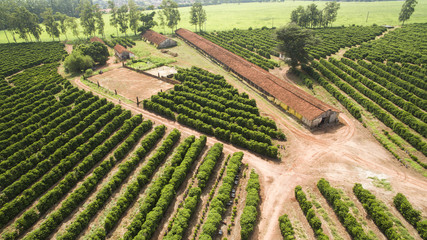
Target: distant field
[(256, 15)]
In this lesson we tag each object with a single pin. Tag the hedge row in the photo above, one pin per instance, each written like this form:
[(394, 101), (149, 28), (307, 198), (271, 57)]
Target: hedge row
[(286, 228), (307, 209), (83, 219), (82, 192), (410, 214), (218, 205), (179, 223), (250, 211), (353, 227), (152, 209), (376, 211)]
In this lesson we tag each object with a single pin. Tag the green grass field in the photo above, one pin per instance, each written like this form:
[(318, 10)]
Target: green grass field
[(257, 15)]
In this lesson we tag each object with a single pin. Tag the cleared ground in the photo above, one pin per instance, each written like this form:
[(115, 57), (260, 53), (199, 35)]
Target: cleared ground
[(130, 84)]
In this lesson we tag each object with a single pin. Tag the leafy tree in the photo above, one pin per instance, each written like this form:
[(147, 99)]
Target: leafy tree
[(147, 21), (77, 62), (99, 20), (169, 15), (133, 16), (408, 8), (5, 18), (71, 23), (87, 17), (330, 13), (50, 23), (293, 41), (197, 15), (113, 19), (122, 18), (62, 23), (24, 23), (96, 50), (313, 15)]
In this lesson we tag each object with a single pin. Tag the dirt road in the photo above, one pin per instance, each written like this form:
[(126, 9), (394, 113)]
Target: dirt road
[(342, 154)]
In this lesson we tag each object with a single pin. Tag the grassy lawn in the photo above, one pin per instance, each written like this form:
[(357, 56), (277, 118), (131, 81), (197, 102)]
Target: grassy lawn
[(149, 63), (256, 15)]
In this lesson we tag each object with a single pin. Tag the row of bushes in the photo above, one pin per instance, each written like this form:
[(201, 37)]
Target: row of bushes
[(60, 147), (376, 211), (410, 214), (307, 209), (152, 209), (286, 228), (179, 223), (38, 188), (83, 219), (381, 114), (353, 227), (250, 211), (83, 191), (219, 202), (158, 108)]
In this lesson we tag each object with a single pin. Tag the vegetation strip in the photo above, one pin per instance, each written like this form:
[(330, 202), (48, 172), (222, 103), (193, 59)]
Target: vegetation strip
[(250, 211), (332, 195), (307, 209), (179, 224), (286, 228), (410, 214), (219, 202), (83, 219)]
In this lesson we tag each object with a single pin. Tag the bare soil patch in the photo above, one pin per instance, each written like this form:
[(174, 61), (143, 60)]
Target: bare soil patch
[(130, 84)]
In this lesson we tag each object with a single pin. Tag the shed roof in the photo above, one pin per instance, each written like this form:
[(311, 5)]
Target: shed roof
[(154, 37), (120, 49), (303, 103), (97, 39)]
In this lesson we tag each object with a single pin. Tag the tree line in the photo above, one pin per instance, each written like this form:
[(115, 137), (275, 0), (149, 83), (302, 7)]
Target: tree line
[(25, 21), (312, 17)]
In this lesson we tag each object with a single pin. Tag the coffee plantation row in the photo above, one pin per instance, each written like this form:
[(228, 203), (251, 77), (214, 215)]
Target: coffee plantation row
[(209, 104), (388, 224), (67, 154)]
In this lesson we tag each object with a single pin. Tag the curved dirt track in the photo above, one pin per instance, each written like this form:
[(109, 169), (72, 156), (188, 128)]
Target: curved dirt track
[(343, 154)]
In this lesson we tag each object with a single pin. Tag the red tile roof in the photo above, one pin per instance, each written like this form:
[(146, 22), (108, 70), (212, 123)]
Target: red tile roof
[(154, 37), (97, 39), (120, 49), (303, 103)]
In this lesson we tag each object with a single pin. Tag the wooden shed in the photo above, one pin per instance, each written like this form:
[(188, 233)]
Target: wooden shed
[(158, 40), (122, 53), (310, 110)]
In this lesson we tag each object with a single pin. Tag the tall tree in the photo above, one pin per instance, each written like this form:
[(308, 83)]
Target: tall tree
[(60, 17), (5, 18), (50, 23), (87, 17), (330, 13), (147, 21), (25, 23), (122, 18), (197, 15), (133, 16), (293, 41), (113, 17), (71, 23), (313, 14), (408, 8), (99, 20), (170, 13)]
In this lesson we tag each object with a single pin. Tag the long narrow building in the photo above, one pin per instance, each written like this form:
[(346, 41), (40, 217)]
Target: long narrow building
[(310, 110)]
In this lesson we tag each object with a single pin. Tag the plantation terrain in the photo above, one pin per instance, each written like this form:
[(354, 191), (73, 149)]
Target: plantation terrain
[(209, 157)]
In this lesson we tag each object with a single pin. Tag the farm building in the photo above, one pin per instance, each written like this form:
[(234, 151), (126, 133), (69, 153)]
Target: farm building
[(157, 39), (122, 53), (310, 110), (97, 39)]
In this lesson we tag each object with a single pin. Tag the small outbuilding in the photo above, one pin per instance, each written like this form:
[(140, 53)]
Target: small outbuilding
[(97, 39), (158, 40), (122, 53)]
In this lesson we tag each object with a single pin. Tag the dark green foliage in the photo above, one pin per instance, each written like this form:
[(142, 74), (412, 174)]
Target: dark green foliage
[(286, 228), (376, 210), (410, 214), (250, 211), (307, 209), (218, 203), (96, 50), (353, 227)]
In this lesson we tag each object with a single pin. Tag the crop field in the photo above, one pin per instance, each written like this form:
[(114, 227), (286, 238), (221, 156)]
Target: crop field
[(207, 155)]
